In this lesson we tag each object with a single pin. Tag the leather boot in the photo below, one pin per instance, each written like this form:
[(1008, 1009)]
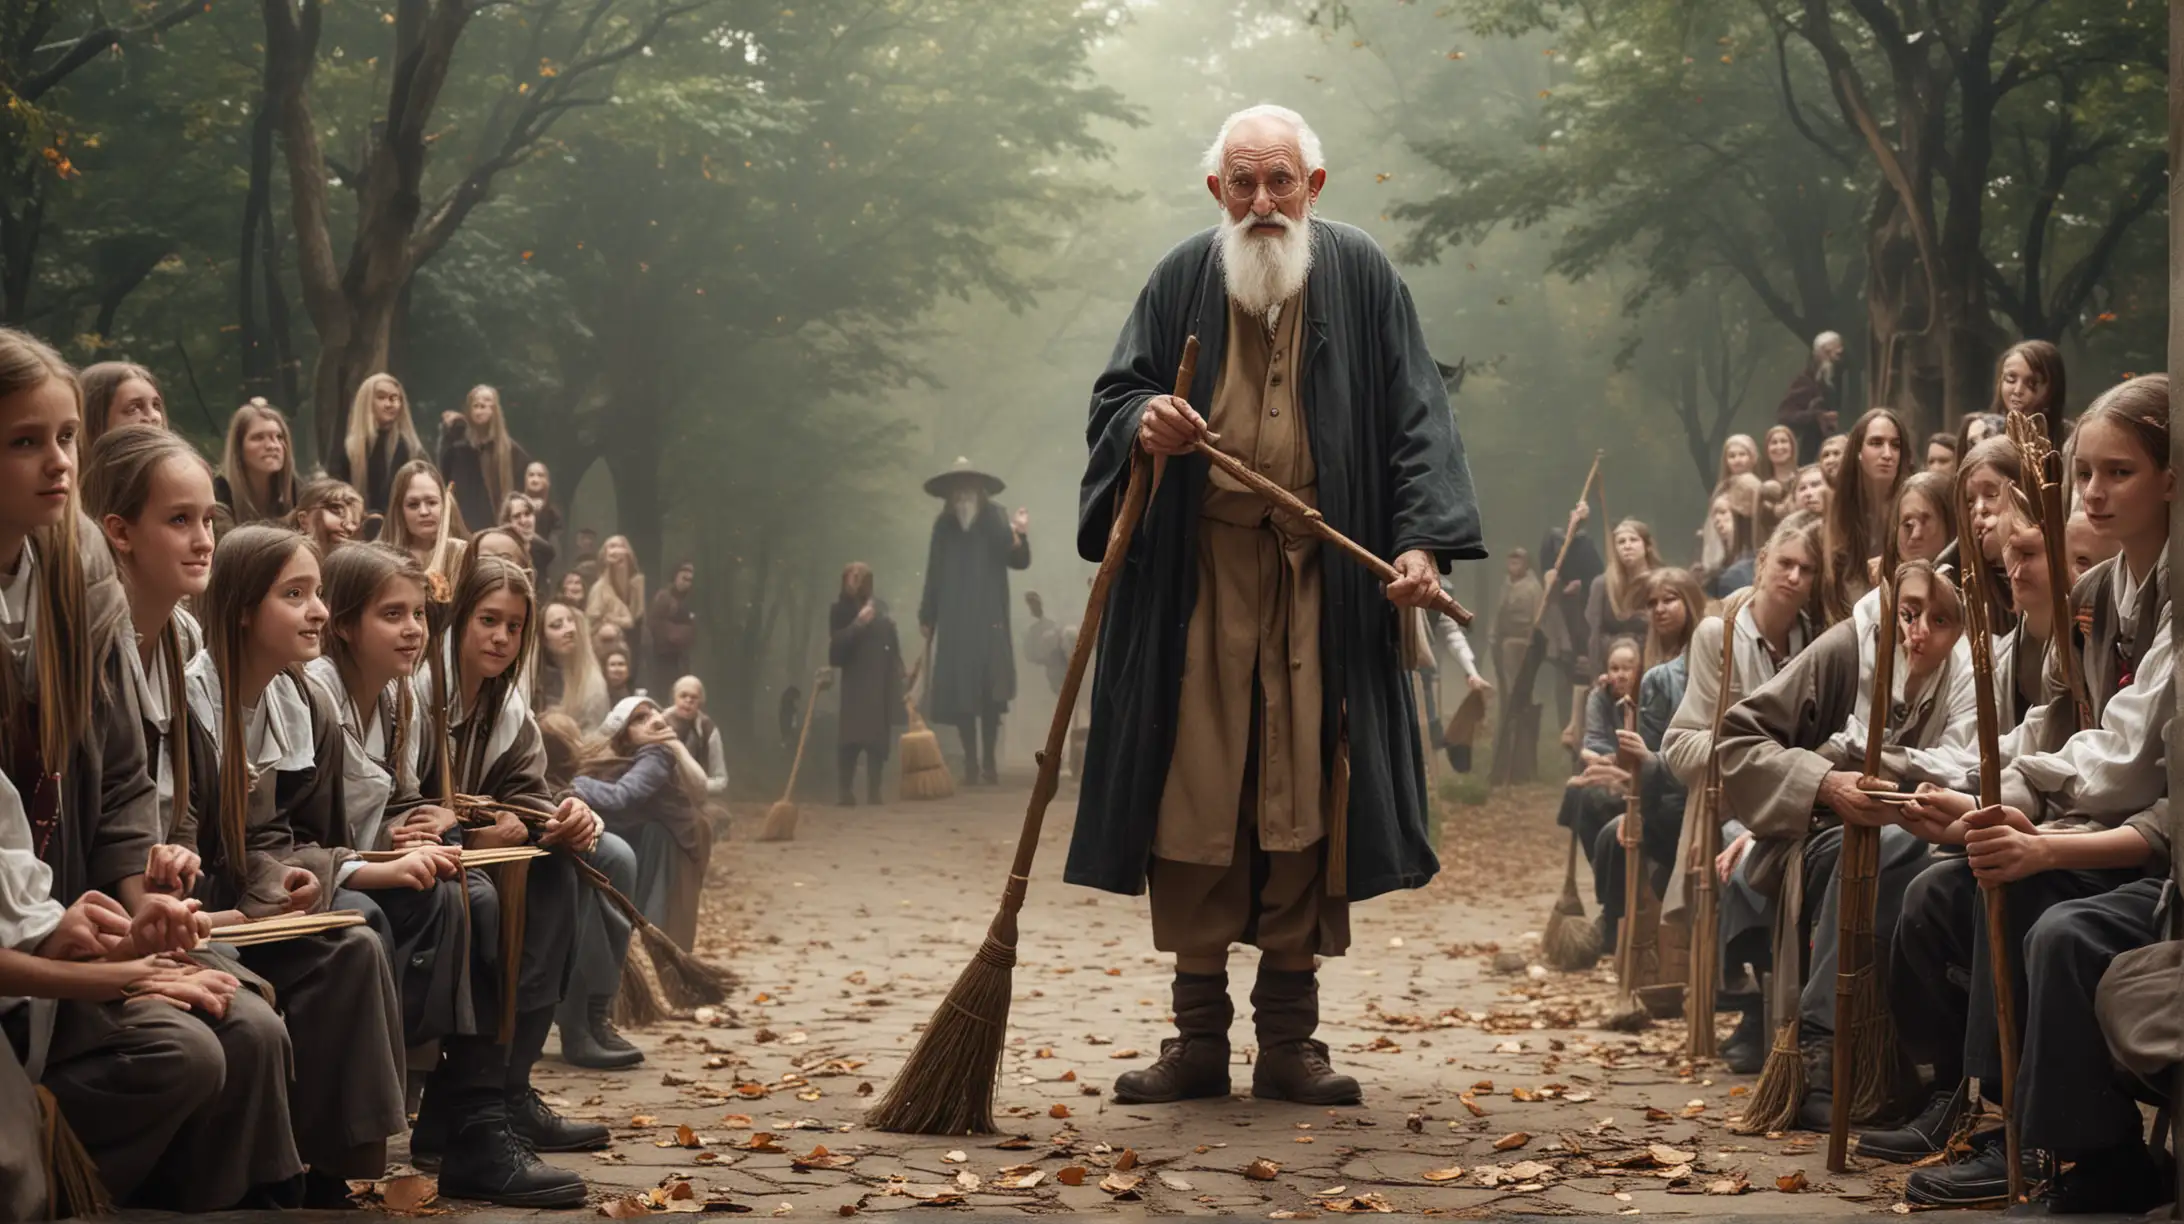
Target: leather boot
[(1195, 1062), (589, 1038), (484, 1159), (1292, 1065), (533, 1122)]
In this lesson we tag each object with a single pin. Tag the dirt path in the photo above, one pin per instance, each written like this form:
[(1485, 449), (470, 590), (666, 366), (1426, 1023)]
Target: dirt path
[(848, 936)]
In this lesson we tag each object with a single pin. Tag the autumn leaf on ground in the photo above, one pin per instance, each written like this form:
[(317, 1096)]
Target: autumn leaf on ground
[(1127, 1161), (1019, 1177), (1511, 1141), (736, 1121), (398, 1194), (1261, 1170), (955, 1158), (820, 1158), (1728, 1185), (684, 1138), (1361, 1205), (763, 1141), (1071, 1176), (1667, 1156), (630, 1208), (1477, 1110), (1449, 1174), (1122, 1185), (1059, 1111), (1791, 1183)]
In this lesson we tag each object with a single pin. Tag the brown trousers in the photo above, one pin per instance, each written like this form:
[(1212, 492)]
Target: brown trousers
[(1275, 901)]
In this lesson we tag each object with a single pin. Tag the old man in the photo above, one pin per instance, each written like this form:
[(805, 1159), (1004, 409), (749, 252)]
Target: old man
[(964, 613), (1254, 760)]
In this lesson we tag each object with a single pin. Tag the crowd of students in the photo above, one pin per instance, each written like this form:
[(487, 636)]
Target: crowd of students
[(233, 693), (1761, 658)]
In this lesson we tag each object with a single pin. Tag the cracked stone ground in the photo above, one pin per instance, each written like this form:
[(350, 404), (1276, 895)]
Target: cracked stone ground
[(848, 936)]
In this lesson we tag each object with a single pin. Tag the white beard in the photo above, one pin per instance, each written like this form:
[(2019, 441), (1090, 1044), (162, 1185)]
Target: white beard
[(1826, 373), (965, 509), (1260, 271)]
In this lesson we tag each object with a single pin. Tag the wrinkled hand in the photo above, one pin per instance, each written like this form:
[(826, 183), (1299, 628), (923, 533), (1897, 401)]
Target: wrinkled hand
[(1843, 795), (2001, 853), (1417, 580), (91, 928), (171, 869), (1726, 862), (163, 925), (1170, 426), (302, 886), (1019, 522), (574, 825), (1480, 684)]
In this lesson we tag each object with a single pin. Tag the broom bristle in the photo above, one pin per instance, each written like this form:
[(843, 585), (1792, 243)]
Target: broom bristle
[(73, 1188), (1781, 1088), (685, 980), (946, 1087), (780, 823), (924, 767), (1629, 1016), (636, 1003), (1873, 1082), (1571, 941)]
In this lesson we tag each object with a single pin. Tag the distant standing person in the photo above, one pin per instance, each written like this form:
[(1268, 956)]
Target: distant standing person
[(617, 597), (478, 457), (1814, 399), (671, 628), (381, 440), (538, 485), (965, 611), (865, 646), (257, 479), (1513, 622)]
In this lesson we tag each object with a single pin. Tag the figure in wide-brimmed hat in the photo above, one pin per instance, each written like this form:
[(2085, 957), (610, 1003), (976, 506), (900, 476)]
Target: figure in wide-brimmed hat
[(965, 611)]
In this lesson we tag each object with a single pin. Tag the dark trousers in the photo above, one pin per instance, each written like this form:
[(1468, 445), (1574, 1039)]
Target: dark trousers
[(1941, 984), (875, 757), (1657, 836), (2071, 1098), (1585, 811), (980, 732)]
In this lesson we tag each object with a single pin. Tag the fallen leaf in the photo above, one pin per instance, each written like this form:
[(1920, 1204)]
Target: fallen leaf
[(954, 1158), (1069, 1077), (1363, 1204), (1451, 1173), (1511, 1141), (1071, 1176), (1728, 1185), (625, 1208), (1059, 1111), (1477, 1111), (1177, 1184), (762, 1141), (1658, 1115), (1127, 1161), (401, 1194), (644, 1120), (1016, 1143), (1124, 1054), (1021, 1177), (820, 1158), (1666, 1156), (1122, 1185), (967, 1180), (736, 1121), (1791, 1183), (1261, 1170)]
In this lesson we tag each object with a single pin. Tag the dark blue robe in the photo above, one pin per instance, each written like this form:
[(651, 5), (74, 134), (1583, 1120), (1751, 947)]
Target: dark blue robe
[(1392, 476)]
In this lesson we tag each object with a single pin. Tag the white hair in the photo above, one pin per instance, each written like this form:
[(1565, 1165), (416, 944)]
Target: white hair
[(1307, 139), (1823, 340)]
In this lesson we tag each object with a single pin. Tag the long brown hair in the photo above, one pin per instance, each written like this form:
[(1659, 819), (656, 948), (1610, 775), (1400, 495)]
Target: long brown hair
[(1622, 580), (353, 578), (1938, 491), (280, 494), (100, 383), (487, 576), (622, 579), (856, 581), (1851, 515), (2046, 363), (1660, 649), (247, 563), (63, 654), (495, 450), (2140, 407), (325, 493), (117, 481), (397, 531)]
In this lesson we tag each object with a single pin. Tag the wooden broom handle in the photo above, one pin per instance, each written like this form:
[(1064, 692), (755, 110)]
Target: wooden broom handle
[(1119, 533), (1857, 843), (803, 736), (1314, 522), (1569, 533)]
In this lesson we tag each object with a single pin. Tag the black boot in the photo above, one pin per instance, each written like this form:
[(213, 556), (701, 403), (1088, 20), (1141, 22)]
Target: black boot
[(2118, 1181), (530, 1119), (1981, 1180), (1923, 1136), (484, 1159), (588, 1036), (1292, 1065), (1745, 1052), (1195, 1062)]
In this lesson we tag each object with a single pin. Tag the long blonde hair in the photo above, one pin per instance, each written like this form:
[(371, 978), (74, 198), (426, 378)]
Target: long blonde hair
[(496, 452), (363, 434), (582, 683), (235, 469), (1759, 457), (1623, 580), (65, 648), (1685, 586), (1766, 465), (622, 579)]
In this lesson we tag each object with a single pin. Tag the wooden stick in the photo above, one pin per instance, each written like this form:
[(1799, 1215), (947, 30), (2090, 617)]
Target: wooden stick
[(1856, 895), (1990, 794), (1629, 835), (1553, 576), (2040, 464), (1705, 965), (1284, 500)]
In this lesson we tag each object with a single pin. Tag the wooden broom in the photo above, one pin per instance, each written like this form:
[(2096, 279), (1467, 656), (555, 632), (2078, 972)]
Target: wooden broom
[(1703, 972), (73, 1188), (1520, 696), (1859, 1009), (1629, 1015), (946, 1087), (781, 817), (1570, 942), (1990, 795), (924, 766)]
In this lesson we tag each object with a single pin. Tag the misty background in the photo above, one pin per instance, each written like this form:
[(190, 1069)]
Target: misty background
[(746, 275)]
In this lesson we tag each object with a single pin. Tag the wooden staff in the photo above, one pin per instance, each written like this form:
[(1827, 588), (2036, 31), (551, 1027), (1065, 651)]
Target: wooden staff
[(1520, 692), (1857, 873), (1282, 499), (1628, 949), (1990, 794), (1704, 968)]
